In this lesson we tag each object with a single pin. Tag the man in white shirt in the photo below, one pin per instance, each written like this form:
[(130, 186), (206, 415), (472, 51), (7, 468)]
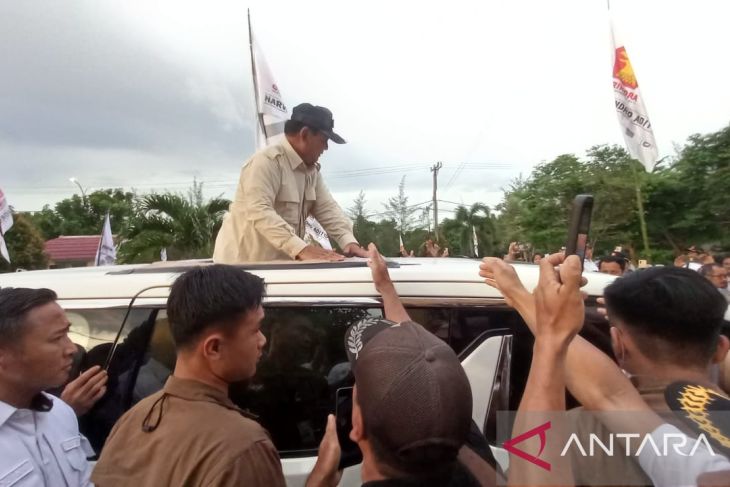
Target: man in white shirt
[(40, 443)]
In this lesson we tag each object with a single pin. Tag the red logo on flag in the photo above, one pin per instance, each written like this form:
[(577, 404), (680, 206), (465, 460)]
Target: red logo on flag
[(509, 445), (275, 88), (622, 69)]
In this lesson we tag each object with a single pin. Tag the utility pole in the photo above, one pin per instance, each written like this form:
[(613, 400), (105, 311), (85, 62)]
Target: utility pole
[(435, 170)]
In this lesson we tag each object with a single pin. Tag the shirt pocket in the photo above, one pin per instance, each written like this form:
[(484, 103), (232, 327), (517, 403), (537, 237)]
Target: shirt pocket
[(74, 453), (16, 475), (288, 202)]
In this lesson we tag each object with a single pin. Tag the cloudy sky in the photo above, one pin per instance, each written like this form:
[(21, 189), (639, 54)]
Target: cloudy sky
[(149, 94)]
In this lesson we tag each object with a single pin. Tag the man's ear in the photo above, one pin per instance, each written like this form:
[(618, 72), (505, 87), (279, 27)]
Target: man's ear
[(211, 346), (357, 434), (617, 345), (723, 345)]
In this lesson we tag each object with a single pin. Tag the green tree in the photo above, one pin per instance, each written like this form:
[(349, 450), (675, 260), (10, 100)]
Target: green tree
[(398, 210), (25, 246), (363, 229), (688, 202), (185, 225), (536, 209), (459, 231), (80, 215)]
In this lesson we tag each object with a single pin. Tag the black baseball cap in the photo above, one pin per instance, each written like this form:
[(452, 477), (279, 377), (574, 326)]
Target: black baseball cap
[(414, 394), (319, 118)]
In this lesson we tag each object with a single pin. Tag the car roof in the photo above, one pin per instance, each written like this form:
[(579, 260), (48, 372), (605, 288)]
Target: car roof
[(413, 277)]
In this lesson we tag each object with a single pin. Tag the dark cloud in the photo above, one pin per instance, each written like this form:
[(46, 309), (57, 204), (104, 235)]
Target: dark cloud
[(71, 80)]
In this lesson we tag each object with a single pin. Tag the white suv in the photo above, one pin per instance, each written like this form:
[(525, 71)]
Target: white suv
[(308, 307)]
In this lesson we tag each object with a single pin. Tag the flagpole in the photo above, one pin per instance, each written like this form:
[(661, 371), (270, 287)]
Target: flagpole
[(101, 238), (261, 130), (640, 208)]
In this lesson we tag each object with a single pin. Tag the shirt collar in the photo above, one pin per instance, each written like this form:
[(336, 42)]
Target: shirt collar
[(294, 159), (39, 403), (193, 390)]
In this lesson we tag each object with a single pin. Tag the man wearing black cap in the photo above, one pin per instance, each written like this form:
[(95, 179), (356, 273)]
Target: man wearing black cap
[(280, 186), (411, 406)]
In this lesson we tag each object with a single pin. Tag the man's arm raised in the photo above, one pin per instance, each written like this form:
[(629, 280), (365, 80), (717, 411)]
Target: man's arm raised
[(393, 308)]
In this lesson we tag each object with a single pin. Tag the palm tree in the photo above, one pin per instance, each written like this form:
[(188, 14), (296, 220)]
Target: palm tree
[(185, 225), (477, 219)]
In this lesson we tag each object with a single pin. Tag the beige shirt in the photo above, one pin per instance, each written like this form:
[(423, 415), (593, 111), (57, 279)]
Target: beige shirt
[(276, 193), (190, 434)]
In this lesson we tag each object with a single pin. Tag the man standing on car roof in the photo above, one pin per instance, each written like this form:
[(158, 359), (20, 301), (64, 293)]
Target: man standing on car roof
[(280, 186)]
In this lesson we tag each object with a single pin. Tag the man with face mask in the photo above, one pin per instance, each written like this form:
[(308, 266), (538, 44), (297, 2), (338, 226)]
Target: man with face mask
[(280, 186)]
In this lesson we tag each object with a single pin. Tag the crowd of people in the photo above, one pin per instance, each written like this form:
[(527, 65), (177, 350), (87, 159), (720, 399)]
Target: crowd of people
[(714, 267), (412, 401)]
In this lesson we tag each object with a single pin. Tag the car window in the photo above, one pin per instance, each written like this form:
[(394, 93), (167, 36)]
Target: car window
[(94, 331)]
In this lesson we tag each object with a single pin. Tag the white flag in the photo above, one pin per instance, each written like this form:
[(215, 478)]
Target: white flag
[(315, 230), (475, 242), (630, 108), (107, 253), (272, 111), (6, 221), (402, 247)]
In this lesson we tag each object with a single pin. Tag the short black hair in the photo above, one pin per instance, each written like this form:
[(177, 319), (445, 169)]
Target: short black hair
[(15, 304), (293, 127), (210, 296), (613, 258), (674, 313), (708, 269)]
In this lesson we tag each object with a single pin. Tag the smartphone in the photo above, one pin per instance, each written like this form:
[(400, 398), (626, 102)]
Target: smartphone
[(351, 454), (580, 223)]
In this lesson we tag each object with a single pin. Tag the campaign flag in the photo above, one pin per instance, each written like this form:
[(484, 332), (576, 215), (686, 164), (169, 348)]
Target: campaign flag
[(271, 110), (6, 221), (630, 108), (475, 241), (107, 253), (317, 233)]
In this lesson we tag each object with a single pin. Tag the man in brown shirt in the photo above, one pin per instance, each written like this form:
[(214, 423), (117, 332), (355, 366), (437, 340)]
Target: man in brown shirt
[(190, 433)]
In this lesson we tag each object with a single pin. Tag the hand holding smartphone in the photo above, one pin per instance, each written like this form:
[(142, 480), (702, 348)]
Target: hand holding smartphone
[(580, 223), (351, 454)]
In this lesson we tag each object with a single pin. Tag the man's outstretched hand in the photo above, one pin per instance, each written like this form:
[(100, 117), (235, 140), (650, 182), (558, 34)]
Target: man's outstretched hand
[(379, 268), (312, 252), (354, 250), (503, 277)]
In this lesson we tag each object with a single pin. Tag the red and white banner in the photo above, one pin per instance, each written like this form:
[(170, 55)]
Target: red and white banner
[(630, 108)]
